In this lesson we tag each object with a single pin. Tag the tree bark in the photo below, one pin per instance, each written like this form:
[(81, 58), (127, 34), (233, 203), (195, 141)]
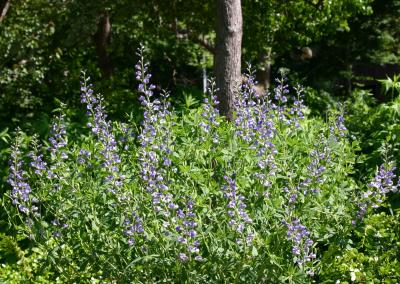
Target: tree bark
[(102, 39), (264, 76), (227, 59), (4, 6)]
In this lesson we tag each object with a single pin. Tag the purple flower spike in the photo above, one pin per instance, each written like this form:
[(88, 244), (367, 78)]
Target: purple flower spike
[(254, 124), (187, 234), (238, 217), (210, 114), (102, 128), (302, 244), (133, 227), (377, 189), (21, 193)]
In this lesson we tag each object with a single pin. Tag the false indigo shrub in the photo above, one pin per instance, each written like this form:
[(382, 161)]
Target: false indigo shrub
[(193, 198)]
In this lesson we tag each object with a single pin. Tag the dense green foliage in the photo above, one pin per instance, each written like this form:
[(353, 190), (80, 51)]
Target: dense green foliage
[(375, 125)]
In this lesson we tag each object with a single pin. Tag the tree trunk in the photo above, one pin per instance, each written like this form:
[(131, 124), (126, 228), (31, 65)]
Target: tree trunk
[(265, 71), (227, 60), (102, 39)]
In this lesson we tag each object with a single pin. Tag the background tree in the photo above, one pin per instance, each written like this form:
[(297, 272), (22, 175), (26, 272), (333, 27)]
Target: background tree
[(278, 30), (228, 52), (45, 45), (356, 57)]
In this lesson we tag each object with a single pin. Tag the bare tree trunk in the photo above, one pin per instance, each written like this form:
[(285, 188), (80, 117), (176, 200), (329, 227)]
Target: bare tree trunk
[(227, 60), (205, 79), (102, 39), (4, 6), (265, 70)]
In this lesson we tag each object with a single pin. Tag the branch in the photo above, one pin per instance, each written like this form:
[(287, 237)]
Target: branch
[(319, 5), (5, 5), (198, 39), (203, 42)]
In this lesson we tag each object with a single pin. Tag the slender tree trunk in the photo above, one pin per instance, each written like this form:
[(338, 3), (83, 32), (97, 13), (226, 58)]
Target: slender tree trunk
[(4, 6), (227, 60), (265, 70), (102, 39), (205, 79)]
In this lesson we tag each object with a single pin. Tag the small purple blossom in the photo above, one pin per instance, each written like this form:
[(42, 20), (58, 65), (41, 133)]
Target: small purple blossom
[(84, 156), (183, 257), (58, 227), (133, 226), (38, 164)]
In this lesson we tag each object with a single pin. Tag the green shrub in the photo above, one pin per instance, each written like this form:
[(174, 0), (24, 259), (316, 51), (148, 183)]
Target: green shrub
[(372, 257)]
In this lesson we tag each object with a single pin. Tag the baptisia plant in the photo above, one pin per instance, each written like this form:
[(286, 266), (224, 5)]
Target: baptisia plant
[(191, 197)]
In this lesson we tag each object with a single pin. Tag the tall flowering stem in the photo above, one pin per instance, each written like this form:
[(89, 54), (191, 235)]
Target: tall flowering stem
[(57, 170), (210, 113), (246, 120), (155, 151), (133, 227), (155, 142), (58, 138), (297, 110), (281, 92), (38, 165), (102, 128), (337, 128), (254, 124), (58, 151), (155, 160), (21, 194), (114, 180), (315, 178)]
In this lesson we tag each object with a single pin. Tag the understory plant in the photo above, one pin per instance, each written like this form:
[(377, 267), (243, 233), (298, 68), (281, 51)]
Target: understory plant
[(376, 126), (192, 198)]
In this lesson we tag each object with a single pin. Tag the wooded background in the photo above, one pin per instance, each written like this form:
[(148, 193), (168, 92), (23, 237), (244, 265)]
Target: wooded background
[(332, 46)]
